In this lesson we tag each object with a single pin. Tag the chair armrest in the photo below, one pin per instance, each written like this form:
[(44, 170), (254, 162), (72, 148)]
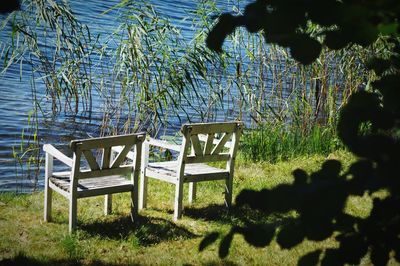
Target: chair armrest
[(50, 149), (163, 144), (118, 149)]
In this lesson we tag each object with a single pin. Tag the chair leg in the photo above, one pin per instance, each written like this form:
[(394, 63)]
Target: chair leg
[(134, 205), (48, 195), (73, 206), (192, 192), (143, 190), (178, 201), (107, 204), (228, 191), (47, 190)]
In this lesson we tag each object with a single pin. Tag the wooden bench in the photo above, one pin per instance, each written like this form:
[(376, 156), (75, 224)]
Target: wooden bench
[(109, 177), (199, 146)]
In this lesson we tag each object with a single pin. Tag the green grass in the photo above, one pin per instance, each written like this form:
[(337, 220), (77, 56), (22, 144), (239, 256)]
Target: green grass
[(274, 142), (26, 239)]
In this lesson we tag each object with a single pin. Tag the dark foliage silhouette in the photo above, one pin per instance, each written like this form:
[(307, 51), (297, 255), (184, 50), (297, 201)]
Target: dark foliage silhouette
[(7, 6), (369, 125)]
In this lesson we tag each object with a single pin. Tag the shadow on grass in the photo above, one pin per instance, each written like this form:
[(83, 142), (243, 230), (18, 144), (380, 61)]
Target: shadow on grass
[(23, 260), (235, 215), (147, 230)]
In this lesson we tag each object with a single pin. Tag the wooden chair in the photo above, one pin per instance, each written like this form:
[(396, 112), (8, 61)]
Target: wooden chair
[(200, 140), (106, 178)]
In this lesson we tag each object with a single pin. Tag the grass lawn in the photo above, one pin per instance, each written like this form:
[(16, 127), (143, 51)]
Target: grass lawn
[(26, 239)]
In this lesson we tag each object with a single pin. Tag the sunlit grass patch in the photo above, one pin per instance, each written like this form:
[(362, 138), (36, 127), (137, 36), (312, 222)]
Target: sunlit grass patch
[(155, 238)]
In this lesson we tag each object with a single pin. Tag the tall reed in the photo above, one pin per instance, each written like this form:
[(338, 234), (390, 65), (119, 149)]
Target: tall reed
[(149, 76)]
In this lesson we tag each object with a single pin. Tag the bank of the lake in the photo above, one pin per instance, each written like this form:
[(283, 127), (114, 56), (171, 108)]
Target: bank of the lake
[(26, 239)]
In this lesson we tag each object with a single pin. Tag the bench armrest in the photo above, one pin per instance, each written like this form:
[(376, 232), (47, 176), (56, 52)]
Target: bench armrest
[(50, 149), (163, 144)]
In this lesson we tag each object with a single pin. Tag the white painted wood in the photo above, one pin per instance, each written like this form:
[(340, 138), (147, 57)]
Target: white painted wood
[(191, 168), (178, 206), (106, 180), (230, 166), (204, 138), (192, 192), (143, 176), (163, 144), (50, 149), (47, 189), (108, 157), (107, 204)]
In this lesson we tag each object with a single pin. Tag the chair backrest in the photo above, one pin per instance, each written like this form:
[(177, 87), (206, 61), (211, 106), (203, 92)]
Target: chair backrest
[(210, 148), (109, 165)]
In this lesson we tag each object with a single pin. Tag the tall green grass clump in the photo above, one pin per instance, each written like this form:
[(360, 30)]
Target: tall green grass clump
[(274, 141)]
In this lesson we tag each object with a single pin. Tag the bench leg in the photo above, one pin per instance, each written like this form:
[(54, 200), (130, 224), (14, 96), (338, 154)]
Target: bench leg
[(228, 191), (134, 205), (73, 206), (48, 194), (107, 204), (143, 190), (192, 191), (178, 201)]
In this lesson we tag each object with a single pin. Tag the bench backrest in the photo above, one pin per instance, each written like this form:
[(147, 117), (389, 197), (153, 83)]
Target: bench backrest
[(109, 164), (198, 149)]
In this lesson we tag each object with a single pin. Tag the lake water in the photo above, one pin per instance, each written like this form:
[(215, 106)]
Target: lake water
[(16, 90)]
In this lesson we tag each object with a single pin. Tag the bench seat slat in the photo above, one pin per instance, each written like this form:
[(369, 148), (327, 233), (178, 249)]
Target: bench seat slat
[(92, 186)]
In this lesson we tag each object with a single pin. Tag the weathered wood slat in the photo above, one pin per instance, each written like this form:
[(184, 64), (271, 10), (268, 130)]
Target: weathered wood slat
[(221, 143), (207, 158), (203, 137), (121, 156), (48, 148), (206, 177), (196, 145), (105, 160), (91, 160), (163, 144), (122, 170), (207, 128), (209, 141), (80, 183), (101, 142), (191, 168)]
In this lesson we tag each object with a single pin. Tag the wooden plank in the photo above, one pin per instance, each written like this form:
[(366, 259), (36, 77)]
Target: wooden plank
[(206, 177), (163, 144), (121, 156), (207, 128), (192, 192), (221, 143), (61, 191), (196, 145), (107, 204), (105, 190), (207, 158), (122, 170), (208, 144), (161, 176), (110, 141), (91, 160), (47, 189), (203, 137), (48, 148), (105, 160)]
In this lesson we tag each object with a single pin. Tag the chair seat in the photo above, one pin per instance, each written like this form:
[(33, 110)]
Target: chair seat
[(92, 186), (194, 172)]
